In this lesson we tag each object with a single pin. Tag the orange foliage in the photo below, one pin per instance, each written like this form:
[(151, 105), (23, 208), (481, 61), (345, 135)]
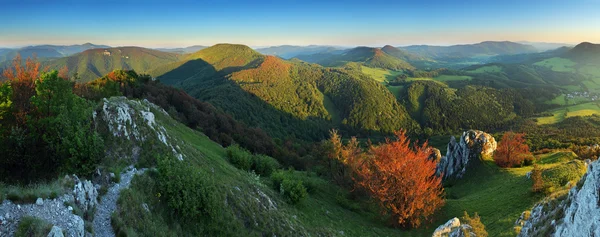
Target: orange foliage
[(22, 81), (512, 150), (400, 177), (272, 68)]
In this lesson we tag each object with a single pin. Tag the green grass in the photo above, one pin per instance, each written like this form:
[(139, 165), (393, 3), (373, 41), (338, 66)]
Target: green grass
[(557, 64), (560, 114), (33, 227), (572, 88), (554, 158), (30, 193), (336, 117), (591, 70), (487, 69), (498, 195), (452, 78), (380, 74)]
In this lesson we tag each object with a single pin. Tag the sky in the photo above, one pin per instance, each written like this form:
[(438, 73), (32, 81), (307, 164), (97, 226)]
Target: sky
[(289, 22)]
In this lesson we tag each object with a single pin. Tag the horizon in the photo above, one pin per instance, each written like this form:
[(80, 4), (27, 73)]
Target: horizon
[(154, 24)]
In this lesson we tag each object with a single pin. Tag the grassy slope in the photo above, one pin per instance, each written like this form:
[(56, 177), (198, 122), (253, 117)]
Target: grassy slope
[(320, 214), (557, 64), (380, 74)]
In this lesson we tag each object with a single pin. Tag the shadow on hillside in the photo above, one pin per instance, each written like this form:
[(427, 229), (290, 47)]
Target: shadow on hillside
[(201, 80)]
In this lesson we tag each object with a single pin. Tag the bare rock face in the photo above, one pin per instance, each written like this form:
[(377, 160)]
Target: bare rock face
[(578, 214), (453, 228), (471, 145), (86, 195), (56, 232)]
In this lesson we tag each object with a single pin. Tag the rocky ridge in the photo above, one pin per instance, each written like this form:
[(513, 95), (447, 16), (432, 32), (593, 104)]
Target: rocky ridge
[(574, 214)]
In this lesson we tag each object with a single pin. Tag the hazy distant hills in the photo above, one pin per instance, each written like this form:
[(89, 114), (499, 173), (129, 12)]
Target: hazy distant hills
[(186, 50), (291, 51), (489, 48), (585, 53), (47, 51), (371, 57), (544, 46), (94, 63)]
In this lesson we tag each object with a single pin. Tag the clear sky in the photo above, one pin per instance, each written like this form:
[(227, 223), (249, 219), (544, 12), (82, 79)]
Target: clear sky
[(262, 23)]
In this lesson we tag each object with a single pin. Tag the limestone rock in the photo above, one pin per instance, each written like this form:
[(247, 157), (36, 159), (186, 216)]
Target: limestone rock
[(435, 154), (39, 202), (446, 228), (56, 232), (79, 226), (578, 214), (86, 195), (472, 145)]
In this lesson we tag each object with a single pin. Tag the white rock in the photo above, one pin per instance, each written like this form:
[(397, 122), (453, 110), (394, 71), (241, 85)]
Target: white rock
[(56, 232), (472, 145), (70, 208), (445, 229), (39, 202)]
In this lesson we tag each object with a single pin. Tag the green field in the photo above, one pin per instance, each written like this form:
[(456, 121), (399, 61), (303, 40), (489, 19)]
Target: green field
[(560, 114), (487, 69), (591, 70), (380, 74), (557, 64), (452, 78)]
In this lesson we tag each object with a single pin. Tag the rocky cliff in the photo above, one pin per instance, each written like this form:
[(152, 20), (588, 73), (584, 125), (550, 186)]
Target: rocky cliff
[(453, 228), (575, 214), (471, 145)]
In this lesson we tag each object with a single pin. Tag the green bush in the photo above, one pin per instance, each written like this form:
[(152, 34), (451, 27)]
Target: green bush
[(189, 192), (239, 157), (264, 165), (33, 227), (293, 191)]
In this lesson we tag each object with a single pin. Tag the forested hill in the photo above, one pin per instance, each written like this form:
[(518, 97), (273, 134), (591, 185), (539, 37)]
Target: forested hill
[(287, 97), (371, 57), (95, 63)]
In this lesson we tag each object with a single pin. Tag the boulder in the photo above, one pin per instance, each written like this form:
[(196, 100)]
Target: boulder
[(56, 232), (86, 195), (435, 154), (79, 226), (471, 146), (453, 228), (39, 202)]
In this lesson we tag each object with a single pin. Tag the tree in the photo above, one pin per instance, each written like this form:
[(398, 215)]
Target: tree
[(512, 150), (22, 81), (475, 223), (401, 178), (536, 177)]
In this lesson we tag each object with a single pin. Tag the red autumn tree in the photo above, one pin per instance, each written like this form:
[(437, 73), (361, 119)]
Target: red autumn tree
[(22, 81), (512, 150), (402, 179)]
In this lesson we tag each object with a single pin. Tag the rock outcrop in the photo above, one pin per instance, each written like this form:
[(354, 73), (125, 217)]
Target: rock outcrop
[(86, 195), (576, 214), (56, 232), (453, 228), (471, 146)]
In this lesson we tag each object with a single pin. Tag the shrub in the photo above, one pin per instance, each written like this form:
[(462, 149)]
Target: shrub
[(264, 165), (536, 177), (189, 192), (239, 157), (32, 227), (475, 222), (293, 191), (558, 176)]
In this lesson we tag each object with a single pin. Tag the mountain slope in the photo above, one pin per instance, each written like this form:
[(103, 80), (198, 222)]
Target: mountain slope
[(585, 52), (370, 57), (47, 51), (470, 50), (95, 63), (189, 49), (273, 94), (403, 54)]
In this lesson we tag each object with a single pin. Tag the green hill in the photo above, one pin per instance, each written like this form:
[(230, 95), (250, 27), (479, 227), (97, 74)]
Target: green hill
[(371, 57), (471, 50), (403, 54), (585, 52), (95, 63), (273, 94)]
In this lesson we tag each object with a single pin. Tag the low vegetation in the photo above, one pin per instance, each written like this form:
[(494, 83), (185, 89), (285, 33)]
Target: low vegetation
[(32, 227)]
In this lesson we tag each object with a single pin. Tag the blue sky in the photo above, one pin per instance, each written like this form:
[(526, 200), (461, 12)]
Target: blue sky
[(262, 23)]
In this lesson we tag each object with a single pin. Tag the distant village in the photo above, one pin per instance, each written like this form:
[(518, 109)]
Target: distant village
[(584, 94)]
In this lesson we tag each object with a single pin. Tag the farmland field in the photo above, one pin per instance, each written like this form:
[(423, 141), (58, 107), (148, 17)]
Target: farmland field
[(379, 74), (487, 69), (560, 114), (557, 64)]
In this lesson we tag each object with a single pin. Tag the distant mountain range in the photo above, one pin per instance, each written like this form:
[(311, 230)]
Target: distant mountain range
[(186, 50), (371, 57), (47, 51), (291, 51), (487, 48)]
